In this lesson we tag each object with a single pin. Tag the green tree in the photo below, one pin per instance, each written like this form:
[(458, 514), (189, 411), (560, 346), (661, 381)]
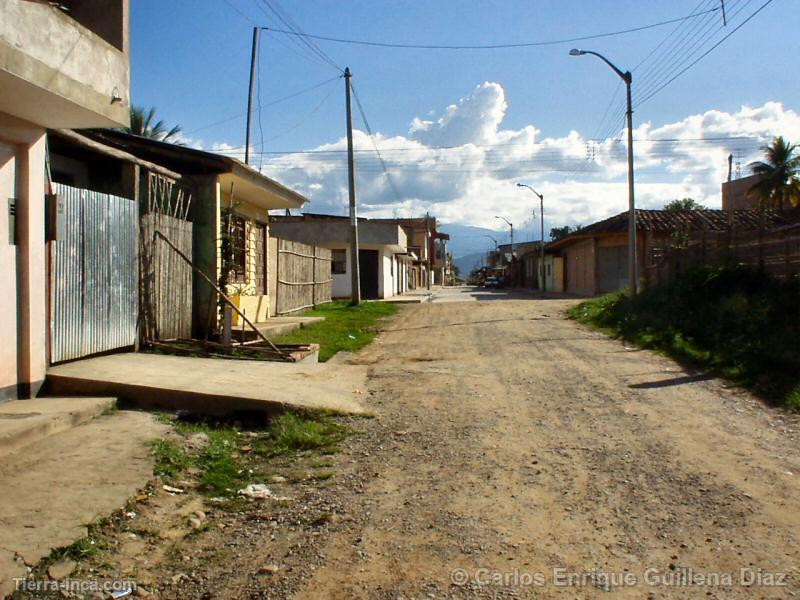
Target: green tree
[(684, 204), (779, 171), (143, 123), (556, 233)]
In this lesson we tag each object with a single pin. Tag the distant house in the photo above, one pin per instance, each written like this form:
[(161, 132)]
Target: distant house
[(595, 258), (59, 68), (520, 270), (429, 246), (385, 260)]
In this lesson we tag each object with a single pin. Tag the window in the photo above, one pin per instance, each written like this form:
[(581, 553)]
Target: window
[(548, 270), (238, 250), (339, 262)]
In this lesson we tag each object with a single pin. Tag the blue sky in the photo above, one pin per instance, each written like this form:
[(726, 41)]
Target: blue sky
[(190, 59)]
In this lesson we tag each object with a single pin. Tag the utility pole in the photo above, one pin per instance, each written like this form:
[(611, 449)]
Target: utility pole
[(541, 242), (428, 244), (633, 276), (253, 57), (355, 275)]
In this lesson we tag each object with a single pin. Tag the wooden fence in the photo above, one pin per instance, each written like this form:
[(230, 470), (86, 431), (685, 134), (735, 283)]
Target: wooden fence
[(166, 279), (777, 251), (303, 275)]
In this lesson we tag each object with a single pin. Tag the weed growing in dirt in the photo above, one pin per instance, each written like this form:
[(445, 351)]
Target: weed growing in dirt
[(289, 433), (170, 459), (230, 459), (85, 548)]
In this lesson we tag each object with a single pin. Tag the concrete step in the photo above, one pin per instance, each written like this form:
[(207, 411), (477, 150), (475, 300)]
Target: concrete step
[(23, 422)]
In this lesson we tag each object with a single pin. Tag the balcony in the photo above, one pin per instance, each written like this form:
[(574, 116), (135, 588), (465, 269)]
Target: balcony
[(65, 66)]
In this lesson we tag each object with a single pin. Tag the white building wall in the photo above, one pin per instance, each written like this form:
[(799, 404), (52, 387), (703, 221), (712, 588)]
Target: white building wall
[(387, 287), (388, 274), (340, 287)]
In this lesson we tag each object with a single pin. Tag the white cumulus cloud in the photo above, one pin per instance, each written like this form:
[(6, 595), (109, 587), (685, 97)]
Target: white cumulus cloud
[(462, 165)]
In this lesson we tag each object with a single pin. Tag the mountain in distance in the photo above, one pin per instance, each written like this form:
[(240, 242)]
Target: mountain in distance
[(469, 246), (468, 239)]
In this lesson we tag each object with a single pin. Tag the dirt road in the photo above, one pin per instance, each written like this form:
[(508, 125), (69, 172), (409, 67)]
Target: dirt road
[(515, 453)]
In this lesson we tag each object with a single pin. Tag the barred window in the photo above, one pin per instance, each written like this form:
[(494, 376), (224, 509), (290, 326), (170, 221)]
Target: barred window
[(238, 250)]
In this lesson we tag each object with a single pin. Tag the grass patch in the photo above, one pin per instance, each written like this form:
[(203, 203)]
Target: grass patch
[(289, 433), (110, 410), (345, 328), (170, 459), (734, 321), (85, 548), (231, 460)]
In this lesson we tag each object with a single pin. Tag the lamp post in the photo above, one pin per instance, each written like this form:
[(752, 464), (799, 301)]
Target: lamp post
[(541, 214), (511, 228), (633, 280), (494, 240)]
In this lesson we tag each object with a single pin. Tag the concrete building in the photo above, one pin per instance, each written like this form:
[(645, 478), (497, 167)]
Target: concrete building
[(429, 245), (736, 193), (385, 261), (62, 65)]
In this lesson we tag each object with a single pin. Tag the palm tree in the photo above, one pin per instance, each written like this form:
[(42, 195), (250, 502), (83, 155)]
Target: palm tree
[(143, 123), (780, 175)]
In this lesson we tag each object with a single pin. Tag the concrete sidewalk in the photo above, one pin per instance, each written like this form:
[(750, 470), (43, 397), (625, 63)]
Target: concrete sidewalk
[(52, 489), (212, 386)]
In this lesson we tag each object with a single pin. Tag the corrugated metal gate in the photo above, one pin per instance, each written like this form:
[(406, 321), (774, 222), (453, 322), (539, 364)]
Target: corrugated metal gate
[(93, 275)]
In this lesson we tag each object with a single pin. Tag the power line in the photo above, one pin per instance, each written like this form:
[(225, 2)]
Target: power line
[(268, 104), (681, 37), (663, 41), (241, 14), (294, 29), (423, 149), (702, 56), (374, 143), (488, 46), (681, 56), (303, 120)]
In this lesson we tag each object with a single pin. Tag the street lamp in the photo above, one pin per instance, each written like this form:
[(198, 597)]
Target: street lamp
[(541, 214), (511, 227), (495, 243), (633, 280)]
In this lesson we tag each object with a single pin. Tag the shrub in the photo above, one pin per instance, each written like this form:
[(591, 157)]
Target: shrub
[(737, 321)]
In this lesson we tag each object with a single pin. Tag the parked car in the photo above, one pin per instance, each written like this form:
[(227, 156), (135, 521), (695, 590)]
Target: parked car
[(493, 282)]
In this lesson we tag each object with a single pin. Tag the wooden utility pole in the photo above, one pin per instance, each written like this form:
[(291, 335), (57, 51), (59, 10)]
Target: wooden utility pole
[(253, 56), (355, 275)]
